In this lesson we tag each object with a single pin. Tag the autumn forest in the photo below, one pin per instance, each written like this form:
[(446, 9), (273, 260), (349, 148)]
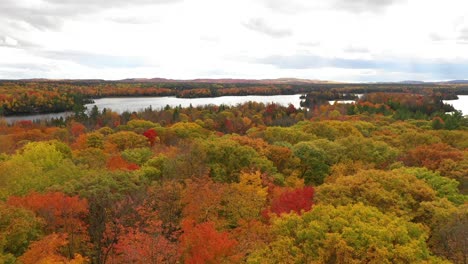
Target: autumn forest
[(381, 180)]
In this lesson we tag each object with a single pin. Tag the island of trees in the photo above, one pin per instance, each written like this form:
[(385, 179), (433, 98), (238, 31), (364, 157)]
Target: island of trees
[(379, 181)]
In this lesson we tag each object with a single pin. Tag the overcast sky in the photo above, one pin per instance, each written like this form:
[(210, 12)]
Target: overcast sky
[(341, 40)]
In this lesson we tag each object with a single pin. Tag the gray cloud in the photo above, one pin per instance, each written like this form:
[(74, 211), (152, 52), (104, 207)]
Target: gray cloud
[(26, 66), (135, 20), (310, 43), (94, 60), (312, 61), (439, 68), (354, 49), (360, 6), (25, 70), (7, 41), (463, 36), (286, 6), (16, 16), (55, 63), (460, 37), (17, 73), (259, 25), (107, 3), (51, 14), (209, 38), (355, 6), (436, 37)]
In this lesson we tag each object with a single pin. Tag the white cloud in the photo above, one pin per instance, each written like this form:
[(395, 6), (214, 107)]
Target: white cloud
[(10, 41), (259, 24)]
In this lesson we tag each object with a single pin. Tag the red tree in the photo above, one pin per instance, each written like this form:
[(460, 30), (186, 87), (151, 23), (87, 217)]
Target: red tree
[(151, 135), (62, 214), (136, 235), (136, 246), (77, 129), (297, 200), (118, 163), (201, 243)]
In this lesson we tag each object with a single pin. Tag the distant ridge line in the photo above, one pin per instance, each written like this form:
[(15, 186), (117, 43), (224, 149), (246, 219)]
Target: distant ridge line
[(230, 80)]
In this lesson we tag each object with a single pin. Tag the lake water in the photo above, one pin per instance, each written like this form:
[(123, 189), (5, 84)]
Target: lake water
[(341, 101), (460, 104), (13, 119), (121, 104), (131, 104)]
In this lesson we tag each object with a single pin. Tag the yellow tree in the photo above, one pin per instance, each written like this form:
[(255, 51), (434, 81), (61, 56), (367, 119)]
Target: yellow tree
[(390, 191), (345, 234), (47, 251), (246, 199)]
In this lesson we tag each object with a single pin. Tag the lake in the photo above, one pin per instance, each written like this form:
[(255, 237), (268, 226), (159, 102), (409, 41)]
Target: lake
[(36, 117), (121, 104), (134, 104), (460, 104)]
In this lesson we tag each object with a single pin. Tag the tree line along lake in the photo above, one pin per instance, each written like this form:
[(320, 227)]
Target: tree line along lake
[(133, 104)]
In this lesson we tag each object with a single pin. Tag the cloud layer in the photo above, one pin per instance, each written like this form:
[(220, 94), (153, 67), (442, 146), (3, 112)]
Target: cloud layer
[(259, 25), (359, 40)]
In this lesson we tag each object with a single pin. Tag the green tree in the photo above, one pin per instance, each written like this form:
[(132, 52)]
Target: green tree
[(226, 158), (42, 154), (313, 166), (127, 139), (18, 228), (444, 187), (368, 150), (95, 140), (137, 155), (38, 166)]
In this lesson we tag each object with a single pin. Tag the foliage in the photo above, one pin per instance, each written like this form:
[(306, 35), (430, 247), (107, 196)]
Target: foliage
[(62, 214), (259, 183), (449, 238), (18, 227), (38, 166), (313, 166), (47, 250), (432, 156), (137, 155), (201, 243), (226, 158), (445, 187), (390, 191), (344, 234), (297, 200), (127, 139), (245, 200)]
